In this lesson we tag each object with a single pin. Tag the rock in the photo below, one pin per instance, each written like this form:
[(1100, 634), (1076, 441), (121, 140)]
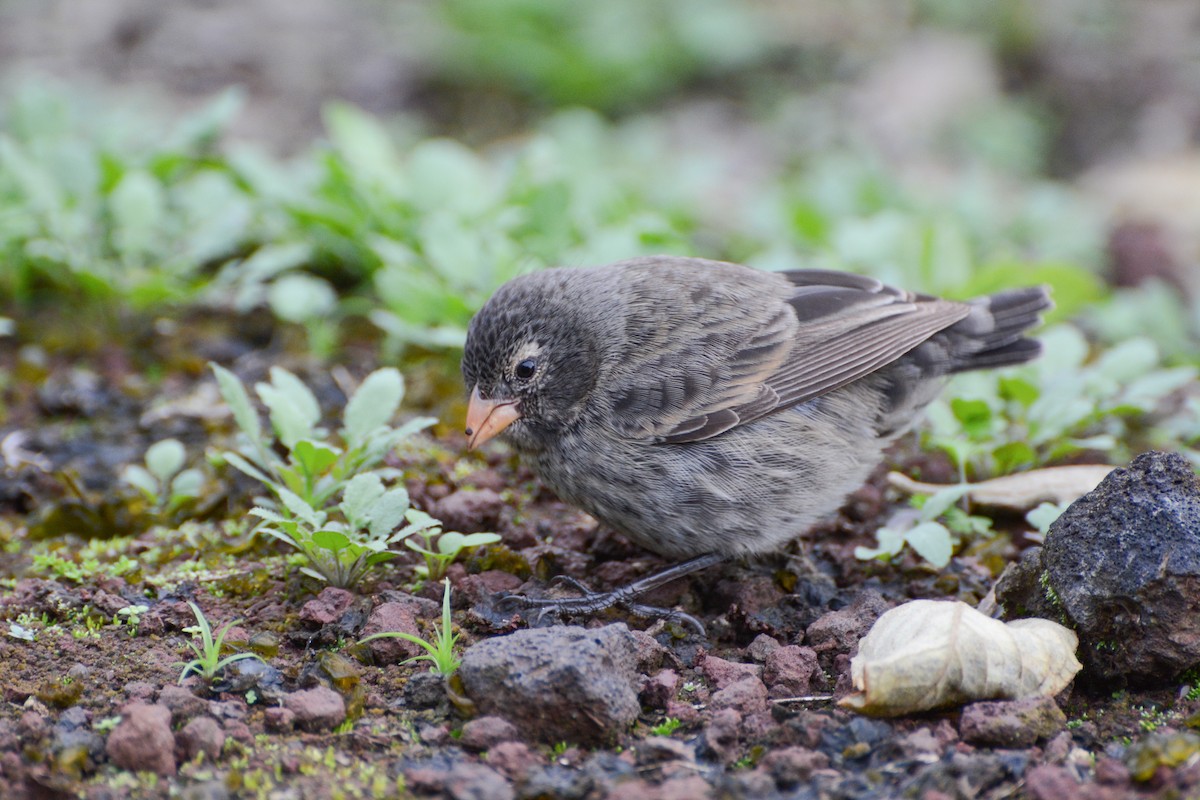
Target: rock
[(142, 739), (73, 734), (724, 673), (720, 740), (514, 759), (469, 510), (1122, 567), (425, 690), (400, 614), (659, 749), (1111, 772), (201, 735), (1052, 783), (687, 787), (1011, 723), (761, 647), (838, 632), (460, 781), (791, 766), (650, 655), (788, 670), (748, 696), (659, 689), (182, 703), (556, 684), (279, 719), (238, 731), (141, 691), (327, 607), (316, 709), (482, 733)]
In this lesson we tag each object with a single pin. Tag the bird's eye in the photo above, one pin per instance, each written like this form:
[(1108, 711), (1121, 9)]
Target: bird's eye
[(526, 369)]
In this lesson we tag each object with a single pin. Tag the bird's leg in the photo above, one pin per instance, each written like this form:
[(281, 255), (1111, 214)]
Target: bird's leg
[(591, 602)]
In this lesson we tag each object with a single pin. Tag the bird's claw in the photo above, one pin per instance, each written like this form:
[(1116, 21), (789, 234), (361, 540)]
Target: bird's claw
[(590, 603)]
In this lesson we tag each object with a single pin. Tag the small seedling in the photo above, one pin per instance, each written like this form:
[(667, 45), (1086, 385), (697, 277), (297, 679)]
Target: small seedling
[(316, 468), (131, 616), (439, 653), (666, 727), (342, 552), (163, 481), (208, 661), (441, 549), (930, 539)]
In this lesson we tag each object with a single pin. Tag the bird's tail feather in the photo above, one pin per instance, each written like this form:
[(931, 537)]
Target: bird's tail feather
[(993, 334)]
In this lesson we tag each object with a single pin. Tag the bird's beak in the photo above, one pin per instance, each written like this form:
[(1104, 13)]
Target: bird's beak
[(486, 418)]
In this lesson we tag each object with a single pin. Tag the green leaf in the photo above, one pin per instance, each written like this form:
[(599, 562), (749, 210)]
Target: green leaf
[(299, 507), (1146, 391), (890, 541), (301, 298), (140, 478), (480, 539), (239, 402), (359, 495), (165, 458), (299, 394), (315, 458), (374, 403), (363, 143), (938, 502), (245, 466), (1127, 360), (974, 415), (138, 205), (288, 415), (1042, 517), (1012, 455), (331, 540), (388, 512), (188, 483), (932, 542), (449, 543), (1017, 390)]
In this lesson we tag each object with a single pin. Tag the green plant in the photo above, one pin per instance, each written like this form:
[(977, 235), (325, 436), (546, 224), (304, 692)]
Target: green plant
[(1061, 404), (440, 652), (562, 53), (928, 538), (342, 551), (208, 661), (131, 616), (163, 481), (87, 567), (666, 727), (315, 469), (99, 202), (441, 549)]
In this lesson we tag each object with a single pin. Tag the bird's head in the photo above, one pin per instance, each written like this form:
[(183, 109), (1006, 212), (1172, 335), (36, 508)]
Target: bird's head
[(530, 364)]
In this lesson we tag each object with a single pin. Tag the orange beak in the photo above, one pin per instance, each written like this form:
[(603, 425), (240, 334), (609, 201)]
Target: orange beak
[(486, 418)]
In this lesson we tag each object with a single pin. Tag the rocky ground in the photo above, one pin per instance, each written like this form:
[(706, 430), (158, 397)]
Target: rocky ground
[(611, 707)]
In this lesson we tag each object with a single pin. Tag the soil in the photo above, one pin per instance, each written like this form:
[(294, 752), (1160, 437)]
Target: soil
[(80, 674)]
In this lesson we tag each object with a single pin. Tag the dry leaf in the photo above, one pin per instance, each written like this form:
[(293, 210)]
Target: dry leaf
[(1025, 490), (932, 654)]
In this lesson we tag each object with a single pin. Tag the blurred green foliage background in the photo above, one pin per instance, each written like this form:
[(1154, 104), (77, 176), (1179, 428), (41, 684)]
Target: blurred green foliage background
[(340, 163)]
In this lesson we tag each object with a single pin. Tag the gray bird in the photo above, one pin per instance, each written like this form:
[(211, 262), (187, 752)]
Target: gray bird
[(709, 410)]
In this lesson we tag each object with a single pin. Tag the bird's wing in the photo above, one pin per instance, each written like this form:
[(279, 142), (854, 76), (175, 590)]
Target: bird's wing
[(827, 330)]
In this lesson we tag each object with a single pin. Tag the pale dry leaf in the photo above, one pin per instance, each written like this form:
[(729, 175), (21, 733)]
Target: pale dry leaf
[(930, 654), (1024, 490)]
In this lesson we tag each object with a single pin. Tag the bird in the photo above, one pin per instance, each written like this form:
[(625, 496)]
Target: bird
[(709, 410)]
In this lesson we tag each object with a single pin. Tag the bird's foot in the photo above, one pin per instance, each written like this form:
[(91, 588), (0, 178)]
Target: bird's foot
[(591, 602)]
